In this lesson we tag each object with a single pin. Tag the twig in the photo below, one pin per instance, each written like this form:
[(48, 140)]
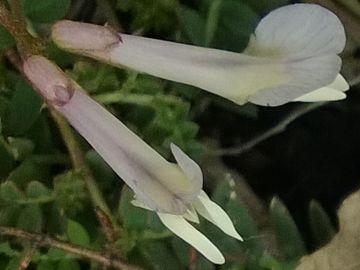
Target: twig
[(26, 43), (278, 128), (26, 258), (79, 163), (47, 241)]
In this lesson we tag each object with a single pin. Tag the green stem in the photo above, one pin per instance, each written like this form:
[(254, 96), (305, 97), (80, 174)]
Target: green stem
[(212, 21), (79, 163)]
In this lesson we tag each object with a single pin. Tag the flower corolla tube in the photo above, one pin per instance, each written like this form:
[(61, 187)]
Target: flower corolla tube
[(292, 56), (173, 191)]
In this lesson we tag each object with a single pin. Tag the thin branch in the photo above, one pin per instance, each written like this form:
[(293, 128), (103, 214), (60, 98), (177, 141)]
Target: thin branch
[(47, 241), (26, 258), (278, 128)]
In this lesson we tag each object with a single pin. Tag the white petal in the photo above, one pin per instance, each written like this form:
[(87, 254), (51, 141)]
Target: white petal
[(192, 171), (140, 204), (304, 76), (189, 234), (191, 215), (340, 84), (143, 169), (322, 94), (216, 215), (297, 31)]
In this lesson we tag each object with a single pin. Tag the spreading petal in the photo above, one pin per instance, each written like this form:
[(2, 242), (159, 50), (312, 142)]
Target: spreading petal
[(179, 226), (216, 215), (298, 31), (304, 76)]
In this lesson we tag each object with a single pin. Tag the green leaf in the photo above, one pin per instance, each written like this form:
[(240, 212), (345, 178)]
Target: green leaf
[(10, 193), (55, 254), (77, 234), (159, 255), (28, 170), (31, 218), (135, 218), (21, 148), (13, 264), (46, 265), (46, 11), (6, 40), (193, 25), (37, 190), (68, 265), (6, 159), (321, 226), (24, 108), (288, 236), (237, 22), (6, 249)]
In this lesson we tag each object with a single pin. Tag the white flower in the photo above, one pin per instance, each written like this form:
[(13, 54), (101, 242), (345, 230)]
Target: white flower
[(174, 191), (292, 53)]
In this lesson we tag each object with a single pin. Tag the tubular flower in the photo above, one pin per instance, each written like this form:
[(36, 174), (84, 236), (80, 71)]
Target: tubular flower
[(293, 52), (174, 191)]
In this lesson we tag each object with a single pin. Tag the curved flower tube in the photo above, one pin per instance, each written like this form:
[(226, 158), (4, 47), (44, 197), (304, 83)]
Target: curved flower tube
[(174, 191), (292, 53)]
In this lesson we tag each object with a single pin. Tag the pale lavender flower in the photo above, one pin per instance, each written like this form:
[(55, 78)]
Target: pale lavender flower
[(293, 52), (174, 191)]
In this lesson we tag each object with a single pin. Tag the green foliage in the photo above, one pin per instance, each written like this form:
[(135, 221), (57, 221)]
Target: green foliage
[(321, 226), (156, 14), (77, 234), (288, 235), (70, 192), (6, 40), (46, 11), (24, 108)]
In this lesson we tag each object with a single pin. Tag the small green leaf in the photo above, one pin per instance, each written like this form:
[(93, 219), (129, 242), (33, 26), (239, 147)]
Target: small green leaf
[(6, 159), (6, 40), (55, 254), (288, 236), (77, 234), (28, 170), (21, 148), (10, 193), (37, 190), (135, 218), (24, 108), (13, 264), (6, 249), (46, 265), (193, 25), (322, 228), (31, 218), (159, 255), (67, 264), (46, 11)]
